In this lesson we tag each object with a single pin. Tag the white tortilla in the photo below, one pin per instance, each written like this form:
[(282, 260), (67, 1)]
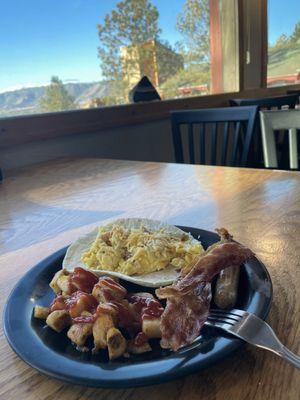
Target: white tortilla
[(154, 279)]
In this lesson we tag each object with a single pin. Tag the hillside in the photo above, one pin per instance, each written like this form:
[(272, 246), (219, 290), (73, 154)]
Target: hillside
[(284, 60), (26, 101)]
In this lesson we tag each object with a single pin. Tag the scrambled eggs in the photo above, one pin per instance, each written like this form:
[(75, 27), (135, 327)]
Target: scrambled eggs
[(139, 251)]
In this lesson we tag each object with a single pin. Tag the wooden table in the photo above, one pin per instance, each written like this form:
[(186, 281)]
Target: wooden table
[(45, 207)]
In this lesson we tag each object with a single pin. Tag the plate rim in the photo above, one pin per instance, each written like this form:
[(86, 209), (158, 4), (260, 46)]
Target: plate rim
[(133, 382)]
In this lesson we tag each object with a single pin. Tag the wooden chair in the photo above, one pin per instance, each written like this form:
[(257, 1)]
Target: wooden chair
[(276, 120), (229, 123)]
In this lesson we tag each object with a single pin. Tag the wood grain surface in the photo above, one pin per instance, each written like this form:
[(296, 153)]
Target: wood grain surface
[(45, 207)]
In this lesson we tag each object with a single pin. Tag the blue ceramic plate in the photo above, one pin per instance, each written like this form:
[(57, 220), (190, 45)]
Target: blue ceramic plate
[(53, 354)]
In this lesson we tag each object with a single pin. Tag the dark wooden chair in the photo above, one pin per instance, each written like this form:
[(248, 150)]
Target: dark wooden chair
[(267, 103), (227, 124)]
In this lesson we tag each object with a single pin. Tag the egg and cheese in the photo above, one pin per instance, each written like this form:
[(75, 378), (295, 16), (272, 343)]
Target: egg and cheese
[(140, 251)]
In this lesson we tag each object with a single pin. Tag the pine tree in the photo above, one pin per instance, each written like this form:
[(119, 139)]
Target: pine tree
[(56, 97), (193, 24), (126, 28), (295, 36), (133, 22)]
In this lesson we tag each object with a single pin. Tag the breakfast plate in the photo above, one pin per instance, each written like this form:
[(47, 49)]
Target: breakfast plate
[(53, 354)]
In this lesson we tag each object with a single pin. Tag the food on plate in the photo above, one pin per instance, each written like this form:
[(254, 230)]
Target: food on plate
[(140, 251), (100, 309), (146, 252), (58, 320), (226, 289), (188, 299), (41, 312), (116, 343)]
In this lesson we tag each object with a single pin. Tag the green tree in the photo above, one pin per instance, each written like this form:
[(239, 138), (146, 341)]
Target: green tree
[(127, 27), (56, 97), (295, 36), (132, 22), (192, 76), (193, 24), (281, 41)]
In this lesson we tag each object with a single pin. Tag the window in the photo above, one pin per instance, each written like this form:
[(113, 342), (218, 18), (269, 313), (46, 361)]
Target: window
[(283, 42), (82, 54)]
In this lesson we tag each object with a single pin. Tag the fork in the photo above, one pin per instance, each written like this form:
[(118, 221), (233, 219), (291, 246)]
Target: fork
[(251, 329)]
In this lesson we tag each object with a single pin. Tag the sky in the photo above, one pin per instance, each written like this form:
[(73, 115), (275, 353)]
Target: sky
[(42, 38)]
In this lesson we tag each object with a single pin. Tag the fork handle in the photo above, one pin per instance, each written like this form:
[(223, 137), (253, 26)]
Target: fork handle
[(281, 351), (290, 357)]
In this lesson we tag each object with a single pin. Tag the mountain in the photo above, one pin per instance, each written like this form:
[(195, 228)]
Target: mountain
[(26, 101)]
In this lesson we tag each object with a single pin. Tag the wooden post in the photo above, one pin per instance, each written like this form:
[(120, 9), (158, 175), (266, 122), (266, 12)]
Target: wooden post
[(224, 46), (229, 22), (216, 47)]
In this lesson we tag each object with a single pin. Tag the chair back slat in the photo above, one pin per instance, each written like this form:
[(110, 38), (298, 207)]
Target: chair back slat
[(202, 144), (225, 143), (191, 144), (214, 117), (236, 134), (177, 142), (213, 144)]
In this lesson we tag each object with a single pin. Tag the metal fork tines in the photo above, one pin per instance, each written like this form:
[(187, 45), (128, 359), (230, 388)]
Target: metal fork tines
[(252, 329)]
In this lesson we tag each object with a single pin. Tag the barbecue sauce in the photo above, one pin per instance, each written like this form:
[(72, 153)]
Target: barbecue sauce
[(140, 339), (148, 307), (71, 303), (111, 289), (82, 280)]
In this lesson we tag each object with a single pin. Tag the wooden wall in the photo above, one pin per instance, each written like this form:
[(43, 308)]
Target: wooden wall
[(149, 142)]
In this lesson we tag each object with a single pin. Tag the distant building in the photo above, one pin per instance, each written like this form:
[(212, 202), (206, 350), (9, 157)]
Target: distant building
[(151, 58), (193, 90)]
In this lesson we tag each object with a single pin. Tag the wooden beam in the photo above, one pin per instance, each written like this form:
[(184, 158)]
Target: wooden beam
[(242, 53), (264, 43), (215, 47), (229, 22)]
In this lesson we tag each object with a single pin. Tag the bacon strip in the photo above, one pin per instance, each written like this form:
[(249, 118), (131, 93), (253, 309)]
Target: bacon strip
[(188, 299)]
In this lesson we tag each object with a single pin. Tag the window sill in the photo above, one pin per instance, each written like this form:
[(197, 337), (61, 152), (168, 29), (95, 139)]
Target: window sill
[(23, 129)]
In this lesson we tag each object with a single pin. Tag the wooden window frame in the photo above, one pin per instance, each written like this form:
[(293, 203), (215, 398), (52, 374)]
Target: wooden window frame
[(23, 129)]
